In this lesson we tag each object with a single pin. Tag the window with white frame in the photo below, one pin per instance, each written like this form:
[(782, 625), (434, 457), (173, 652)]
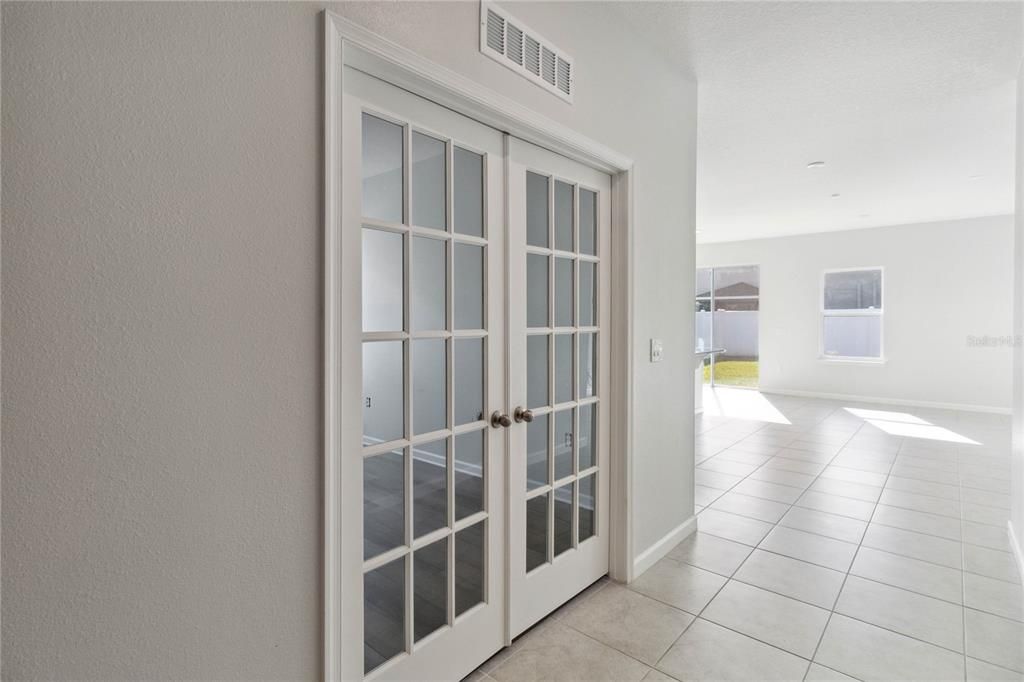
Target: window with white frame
[(851, 314)]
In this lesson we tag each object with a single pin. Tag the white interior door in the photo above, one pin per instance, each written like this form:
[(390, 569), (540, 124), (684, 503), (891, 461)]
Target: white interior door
[(423, 495), (559, 276)]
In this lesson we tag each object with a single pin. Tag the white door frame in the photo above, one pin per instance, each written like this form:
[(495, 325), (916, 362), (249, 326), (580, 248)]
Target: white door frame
[(348, 44)]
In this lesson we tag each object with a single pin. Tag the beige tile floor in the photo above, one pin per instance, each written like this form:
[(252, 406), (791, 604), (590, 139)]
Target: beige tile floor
[(836, 541)]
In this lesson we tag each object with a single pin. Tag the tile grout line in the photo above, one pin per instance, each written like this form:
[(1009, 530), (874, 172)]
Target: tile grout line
[(696, 617), (910, 453), (731, 577), (617, 650), (854, 518), (792, 505), (860, 620), (962, 570), (963, 581), (853, 559), (882, 489), (776, 525), (746, 477), (708, 603), (826, 568), (897, 454)]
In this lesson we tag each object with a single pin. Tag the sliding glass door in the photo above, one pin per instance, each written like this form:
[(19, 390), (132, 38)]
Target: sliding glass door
[(727, 306)]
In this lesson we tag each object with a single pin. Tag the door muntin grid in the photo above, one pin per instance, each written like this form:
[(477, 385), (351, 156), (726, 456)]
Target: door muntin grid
[(426, 340), (562, 342)]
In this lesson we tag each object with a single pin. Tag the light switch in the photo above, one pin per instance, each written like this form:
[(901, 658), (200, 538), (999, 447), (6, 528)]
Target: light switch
[(656, 350)]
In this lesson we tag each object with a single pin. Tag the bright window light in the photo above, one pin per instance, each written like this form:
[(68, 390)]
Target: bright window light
[(851, 314)]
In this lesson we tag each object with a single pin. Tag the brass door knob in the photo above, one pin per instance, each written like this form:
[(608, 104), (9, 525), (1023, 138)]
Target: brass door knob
[(523, 415), (499, 419)]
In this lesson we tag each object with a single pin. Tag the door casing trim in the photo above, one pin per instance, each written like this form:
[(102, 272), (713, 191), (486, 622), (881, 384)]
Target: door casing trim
[(349, 44)]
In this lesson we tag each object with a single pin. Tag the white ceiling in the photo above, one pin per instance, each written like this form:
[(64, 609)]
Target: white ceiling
[(904, 102)]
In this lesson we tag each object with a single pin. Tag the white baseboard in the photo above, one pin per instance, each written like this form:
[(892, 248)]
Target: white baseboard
[(659, 549), (988, 409), (1015, 548)]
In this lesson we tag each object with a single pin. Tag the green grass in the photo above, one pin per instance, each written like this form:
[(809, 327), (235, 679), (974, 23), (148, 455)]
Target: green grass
[(733, 373)]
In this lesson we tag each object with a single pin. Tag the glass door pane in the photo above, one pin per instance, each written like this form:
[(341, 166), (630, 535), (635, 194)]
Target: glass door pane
[(559, 236), (735, 325), (552, 444), (726, 309), (702, 319), (431, 237)]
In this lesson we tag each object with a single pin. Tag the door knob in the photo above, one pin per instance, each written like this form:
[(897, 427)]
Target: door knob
[(523, 415), (499, 419)]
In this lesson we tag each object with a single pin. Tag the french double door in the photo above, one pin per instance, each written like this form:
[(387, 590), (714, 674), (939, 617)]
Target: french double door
[(482, 495)]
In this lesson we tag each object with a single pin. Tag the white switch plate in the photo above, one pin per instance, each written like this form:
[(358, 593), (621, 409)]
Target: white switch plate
[(657, 350)]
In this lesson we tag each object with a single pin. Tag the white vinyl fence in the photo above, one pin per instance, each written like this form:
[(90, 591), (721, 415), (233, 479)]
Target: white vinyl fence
[(735, 331)]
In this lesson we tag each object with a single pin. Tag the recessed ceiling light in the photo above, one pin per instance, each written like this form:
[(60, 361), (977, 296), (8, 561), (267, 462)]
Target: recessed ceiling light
[(816, 164)]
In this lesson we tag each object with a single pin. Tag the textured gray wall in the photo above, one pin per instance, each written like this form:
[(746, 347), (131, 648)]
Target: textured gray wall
[(161, 354), (161, 316)]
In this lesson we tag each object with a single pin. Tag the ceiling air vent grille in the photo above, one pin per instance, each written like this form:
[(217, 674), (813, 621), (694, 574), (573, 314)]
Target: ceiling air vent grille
[(520, 48), (564, 76), (495, 32), (515, 45), (532, 56), (548, 62)]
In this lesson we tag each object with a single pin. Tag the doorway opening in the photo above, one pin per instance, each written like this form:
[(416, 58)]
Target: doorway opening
[(727, 307), (427, 274)]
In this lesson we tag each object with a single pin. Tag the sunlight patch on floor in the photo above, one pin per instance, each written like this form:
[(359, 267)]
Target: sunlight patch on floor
[(907, 425), (740, 403), (885, 415), (926, 431)]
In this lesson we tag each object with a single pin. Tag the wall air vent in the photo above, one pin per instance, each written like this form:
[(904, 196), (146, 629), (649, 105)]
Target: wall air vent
[(508, 41)]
